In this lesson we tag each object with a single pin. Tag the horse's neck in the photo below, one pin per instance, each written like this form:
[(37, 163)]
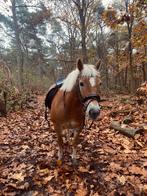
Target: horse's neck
[(75, 97)]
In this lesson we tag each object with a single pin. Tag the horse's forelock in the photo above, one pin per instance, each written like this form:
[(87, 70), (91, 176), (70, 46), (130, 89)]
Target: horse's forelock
[(70, 81), (90, 71)]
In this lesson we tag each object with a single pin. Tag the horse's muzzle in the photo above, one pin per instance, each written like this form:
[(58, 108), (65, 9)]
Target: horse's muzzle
[(93, 114)]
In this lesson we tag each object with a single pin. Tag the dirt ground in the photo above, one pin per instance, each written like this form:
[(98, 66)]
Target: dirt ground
[(110, 163)]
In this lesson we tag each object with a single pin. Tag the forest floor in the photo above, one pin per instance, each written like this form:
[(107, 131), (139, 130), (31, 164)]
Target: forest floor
[(109, 162)]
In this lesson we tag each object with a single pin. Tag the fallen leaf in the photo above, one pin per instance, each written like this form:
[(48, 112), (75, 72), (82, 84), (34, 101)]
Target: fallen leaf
[(115, 166), (95, 194), (43, 172), (145, 127), (18, 176), (56, 173), (59, 162), (23, 186), (127, 151), (137, 170), (143, 188), (83, 169), (139, 143), (121, 179), (81, 191), (48, 179)]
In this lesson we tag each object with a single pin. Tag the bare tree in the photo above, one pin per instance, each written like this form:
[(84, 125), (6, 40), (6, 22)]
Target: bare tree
[(79, 14)]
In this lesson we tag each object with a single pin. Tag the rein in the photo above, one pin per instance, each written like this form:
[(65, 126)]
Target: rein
[(85, 101)]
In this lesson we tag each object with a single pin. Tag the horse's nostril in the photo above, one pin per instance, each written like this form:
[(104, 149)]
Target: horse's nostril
[(94, 113)]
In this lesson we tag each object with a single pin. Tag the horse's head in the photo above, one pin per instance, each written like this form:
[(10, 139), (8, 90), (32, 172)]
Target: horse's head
[(89, 83)]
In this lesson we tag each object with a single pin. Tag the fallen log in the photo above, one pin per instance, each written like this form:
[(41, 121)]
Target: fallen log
[(143, 126), (126, 112), (126, 130)]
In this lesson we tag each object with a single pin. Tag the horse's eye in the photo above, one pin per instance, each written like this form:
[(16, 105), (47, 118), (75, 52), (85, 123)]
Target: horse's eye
[(81, 84)]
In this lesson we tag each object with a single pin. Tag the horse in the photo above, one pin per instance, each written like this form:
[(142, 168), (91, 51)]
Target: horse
[(77, 98)]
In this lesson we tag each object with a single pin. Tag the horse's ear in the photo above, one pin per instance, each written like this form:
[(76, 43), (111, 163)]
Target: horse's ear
[(98, 64), (79, 64)]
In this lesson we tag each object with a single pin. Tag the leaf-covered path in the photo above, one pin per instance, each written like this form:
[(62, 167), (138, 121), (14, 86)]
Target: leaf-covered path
[(109, 163)]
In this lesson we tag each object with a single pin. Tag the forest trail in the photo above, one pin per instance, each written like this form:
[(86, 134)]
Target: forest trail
[(109, 162)]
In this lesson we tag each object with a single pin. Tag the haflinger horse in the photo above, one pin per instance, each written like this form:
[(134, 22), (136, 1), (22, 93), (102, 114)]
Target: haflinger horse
[(77, 98)]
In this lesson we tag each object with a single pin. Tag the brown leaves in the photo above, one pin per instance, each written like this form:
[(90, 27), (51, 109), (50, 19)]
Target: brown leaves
[(81, 191), (18, 176), (137, 170), (121, 179), (108, 161), (110, 17), (83, 169), (142, 90)]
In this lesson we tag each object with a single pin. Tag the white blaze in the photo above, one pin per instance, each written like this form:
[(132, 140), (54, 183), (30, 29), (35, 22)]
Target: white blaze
[(92, 81)]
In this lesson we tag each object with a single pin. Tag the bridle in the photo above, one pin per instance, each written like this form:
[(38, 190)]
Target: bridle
[(85, 101)]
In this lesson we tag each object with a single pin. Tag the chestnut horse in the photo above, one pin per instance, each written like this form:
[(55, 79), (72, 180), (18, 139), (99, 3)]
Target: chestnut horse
[(77, 98)]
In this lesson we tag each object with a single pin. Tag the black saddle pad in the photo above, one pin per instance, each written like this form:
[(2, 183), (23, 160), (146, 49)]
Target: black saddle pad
[(51, 94)]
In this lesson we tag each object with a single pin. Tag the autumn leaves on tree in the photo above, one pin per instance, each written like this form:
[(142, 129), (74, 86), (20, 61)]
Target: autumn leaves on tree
[(130, 20)]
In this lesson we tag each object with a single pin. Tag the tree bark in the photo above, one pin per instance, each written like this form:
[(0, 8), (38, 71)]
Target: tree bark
[(19, 56), (104, 56), (144, 64), (130, 48)]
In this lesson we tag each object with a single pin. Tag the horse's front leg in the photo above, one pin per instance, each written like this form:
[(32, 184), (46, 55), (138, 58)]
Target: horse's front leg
[(75, 143), (60, 143)]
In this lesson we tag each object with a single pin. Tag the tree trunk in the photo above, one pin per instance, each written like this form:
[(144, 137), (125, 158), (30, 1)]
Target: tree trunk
[(117, 61), (125, 77), (130, 48), (19, 56), (104, 56), (82, 15), (84, 48), (131, 65), (144, 71), (144, 65)]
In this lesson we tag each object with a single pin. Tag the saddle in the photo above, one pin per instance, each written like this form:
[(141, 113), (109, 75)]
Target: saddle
[(52, 92)]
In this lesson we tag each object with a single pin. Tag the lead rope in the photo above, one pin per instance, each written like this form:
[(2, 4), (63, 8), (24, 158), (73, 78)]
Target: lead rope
[(91, 124), (88, 127)]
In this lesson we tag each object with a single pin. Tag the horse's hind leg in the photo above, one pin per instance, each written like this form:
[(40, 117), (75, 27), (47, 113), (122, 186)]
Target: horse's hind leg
[(60, 142)]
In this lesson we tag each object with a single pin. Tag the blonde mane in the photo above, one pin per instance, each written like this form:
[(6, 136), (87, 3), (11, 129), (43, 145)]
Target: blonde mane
[(70, 81)]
